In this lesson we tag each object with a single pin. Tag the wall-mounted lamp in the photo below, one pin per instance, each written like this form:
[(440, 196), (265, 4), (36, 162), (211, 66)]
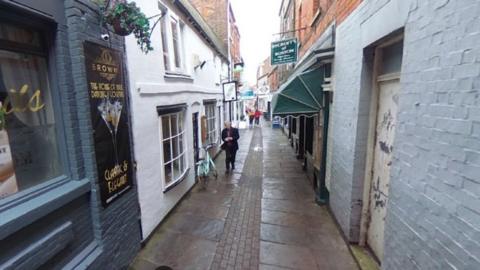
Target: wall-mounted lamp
[(238, 67)]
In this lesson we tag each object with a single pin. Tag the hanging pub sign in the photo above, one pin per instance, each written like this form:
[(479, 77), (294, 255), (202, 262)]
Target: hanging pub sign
[(283, 52), (230, 91), (109, 114)]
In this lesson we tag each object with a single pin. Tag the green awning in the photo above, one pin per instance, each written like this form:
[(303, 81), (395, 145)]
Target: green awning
[(301, 95)]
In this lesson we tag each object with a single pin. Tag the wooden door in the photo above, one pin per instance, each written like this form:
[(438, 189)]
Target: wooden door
[(382, 161)]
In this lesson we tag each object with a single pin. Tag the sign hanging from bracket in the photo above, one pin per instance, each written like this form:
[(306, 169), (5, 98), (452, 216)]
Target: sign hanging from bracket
[(284, 52)]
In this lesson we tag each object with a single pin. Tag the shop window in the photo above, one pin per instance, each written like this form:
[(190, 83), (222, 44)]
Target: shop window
[(211, 119), (29, 153), (174, 150)]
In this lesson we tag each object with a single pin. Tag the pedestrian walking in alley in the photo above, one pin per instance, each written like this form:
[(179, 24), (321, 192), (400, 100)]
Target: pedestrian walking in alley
[(251, 116), (230, 137), (257, 117)]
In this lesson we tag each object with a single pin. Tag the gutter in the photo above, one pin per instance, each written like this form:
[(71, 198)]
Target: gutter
[(202, 27)]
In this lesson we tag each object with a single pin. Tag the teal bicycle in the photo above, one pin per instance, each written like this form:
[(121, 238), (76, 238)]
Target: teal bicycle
[(205, 165)]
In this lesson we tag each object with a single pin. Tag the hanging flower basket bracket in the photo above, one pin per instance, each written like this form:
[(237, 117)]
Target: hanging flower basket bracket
[(126, 18)]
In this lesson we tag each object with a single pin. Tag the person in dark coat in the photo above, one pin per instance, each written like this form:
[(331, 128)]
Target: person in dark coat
[(251, 116), (230, 137)]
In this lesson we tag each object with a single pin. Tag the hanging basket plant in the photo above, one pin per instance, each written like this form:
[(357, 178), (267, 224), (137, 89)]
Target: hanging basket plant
[(126, 18)]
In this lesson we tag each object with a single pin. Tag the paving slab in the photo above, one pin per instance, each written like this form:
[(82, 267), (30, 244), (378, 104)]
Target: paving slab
[(178, 251), (272, 267), (284, 219), (284, 235), (291, 256)]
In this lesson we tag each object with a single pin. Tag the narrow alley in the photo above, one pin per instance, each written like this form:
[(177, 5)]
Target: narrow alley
[(261, 216), (357, 125)]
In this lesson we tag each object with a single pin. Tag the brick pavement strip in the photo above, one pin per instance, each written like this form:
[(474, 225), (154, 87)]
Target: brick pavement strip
[(239, 244)]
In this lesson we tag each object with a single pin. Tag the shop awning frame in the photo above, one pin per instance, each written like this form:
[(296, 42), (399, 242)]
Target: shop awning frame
[(308, 78), (296, 97)]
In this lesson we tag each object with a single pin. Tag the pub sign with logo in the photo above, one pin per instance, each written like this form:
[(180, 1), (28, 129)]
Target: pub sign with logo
[(108, 108)]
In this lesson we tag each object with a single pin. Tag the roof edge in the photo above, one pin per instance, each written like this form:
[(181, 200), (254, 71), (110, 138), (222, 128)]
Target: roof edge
[(201, 25)]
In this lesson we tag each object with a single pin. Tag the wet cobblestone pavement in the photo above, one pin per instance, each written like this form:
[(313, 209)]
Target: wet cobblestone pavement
[(261, 216), (239, 245)]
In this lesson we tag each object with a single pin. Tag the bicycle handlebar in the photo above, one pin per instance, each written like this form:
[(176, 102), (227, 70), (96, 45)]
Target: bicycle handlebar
[(208, 146)]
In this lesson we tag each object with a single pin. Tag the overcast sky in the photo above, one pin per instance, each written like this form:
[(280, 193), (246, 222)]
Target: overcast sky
[(257, 20)]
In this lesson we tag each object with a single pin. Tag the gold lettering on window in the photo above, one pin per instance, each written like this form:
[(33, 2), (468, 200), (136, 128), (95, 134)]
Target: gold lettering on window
[(16, 101)]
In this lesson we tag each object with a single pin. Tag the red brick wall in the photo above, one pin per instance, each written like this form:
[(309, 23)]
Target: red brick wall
[(273, 81), (235, 56), (331, 10), (235, 44), (305, 13), (215, 14), (344, 8)]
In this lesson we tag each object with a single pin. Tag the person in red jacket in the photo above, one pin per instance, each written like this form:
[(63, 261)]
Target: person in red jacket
[(257, 117)]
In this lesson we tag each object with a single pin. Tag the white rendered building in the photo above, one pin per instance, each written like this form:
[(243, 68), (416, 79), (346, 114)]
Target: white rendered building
[(173, 90)]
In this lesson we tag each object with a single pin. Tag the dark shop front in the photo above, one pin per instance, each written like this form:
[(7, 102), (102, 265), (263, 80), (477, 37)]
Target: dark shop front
[(67, 196)]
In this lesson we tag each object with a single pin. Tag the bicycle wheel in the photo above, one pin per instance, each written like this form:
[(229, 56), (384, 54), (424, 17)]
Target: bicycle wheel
[(201, 168)]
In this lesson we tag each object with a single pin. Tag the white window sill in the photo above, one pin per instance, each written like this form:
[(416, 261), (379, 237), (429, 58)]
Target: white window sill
[(169, 75), (178, 181)]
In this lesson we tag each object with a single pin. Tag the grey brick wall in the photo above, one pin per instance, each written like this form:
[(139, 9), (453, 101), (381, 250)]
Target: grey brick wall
[(116, 228), (114, 231), (433, 219), (345, 190)]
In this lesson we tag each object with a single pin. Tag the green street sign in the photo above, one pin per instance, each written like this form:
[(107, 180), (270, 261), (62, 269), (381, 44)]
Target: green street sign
[(284, 52)]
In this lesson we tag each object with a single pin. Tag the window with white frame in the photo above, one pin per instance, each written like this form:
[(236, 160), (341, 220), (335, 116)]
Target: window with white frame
[(211, 119), (172, 41), (176, 43), (163, 29), (173, 145)]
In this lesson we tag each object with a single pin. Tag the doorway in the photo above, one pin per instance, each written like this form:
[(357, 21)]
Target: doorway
[(382, 161), (219, 124), (386, 82), (195, 139)]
